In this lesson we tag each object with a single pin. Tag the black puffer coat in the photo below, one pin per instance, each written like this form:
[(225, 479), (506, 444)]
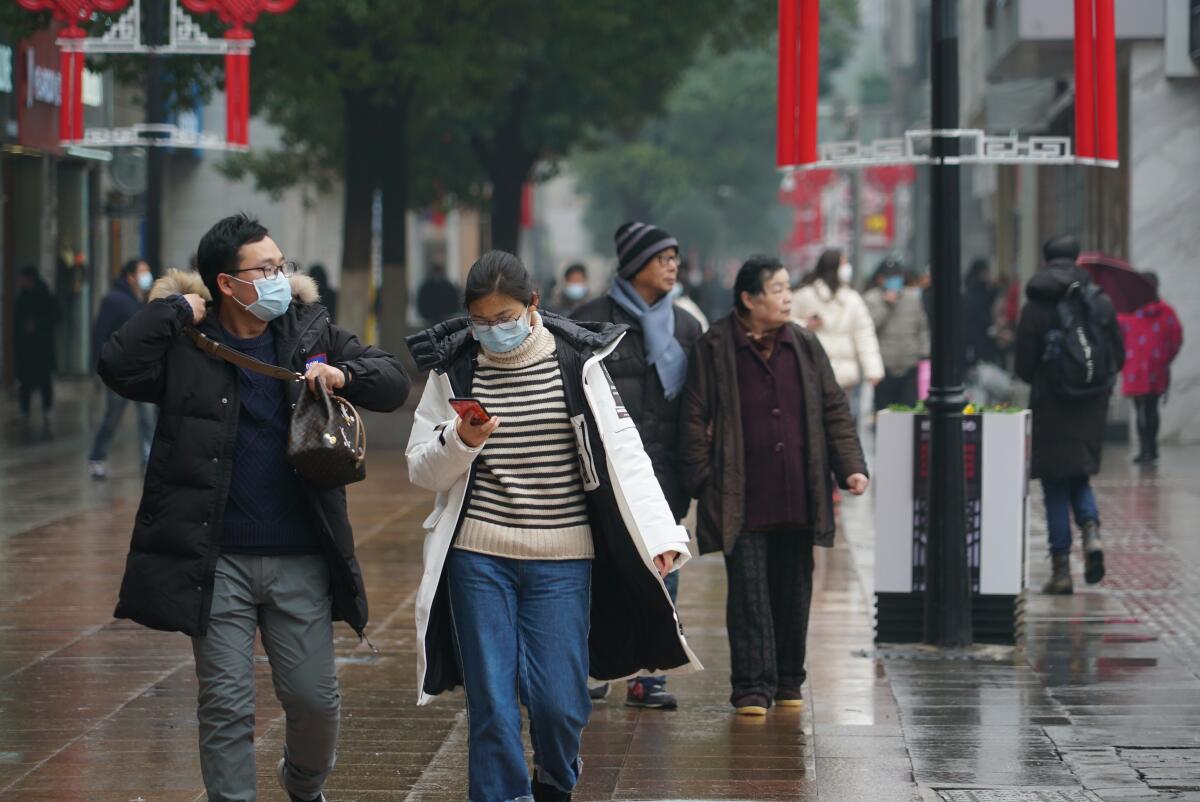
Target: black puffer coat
[(1068, 435), (657, 418), (169, 572)]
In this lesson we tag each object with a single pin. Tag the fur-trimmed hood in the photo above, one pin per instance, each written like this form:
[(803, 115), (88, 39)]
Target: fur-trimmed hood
[(304, 289)]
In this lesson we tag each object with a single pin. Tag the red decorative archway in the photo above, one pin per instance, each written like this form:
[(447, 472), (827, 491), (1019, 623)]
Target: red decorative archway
[(238, 15), (72, 13)]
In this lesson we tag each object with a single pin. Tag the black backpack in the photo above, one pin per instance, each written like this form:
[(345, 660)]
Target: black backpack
[(1078, 359)]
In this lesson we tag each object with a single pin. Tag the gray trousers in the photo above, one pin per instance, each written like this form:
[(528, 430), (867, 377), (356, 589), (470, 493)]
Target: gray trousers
[(289, 600)]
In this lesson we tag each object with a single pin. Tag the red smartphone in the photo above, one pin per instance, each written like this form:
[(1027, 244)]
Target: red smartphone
[(470, 410)]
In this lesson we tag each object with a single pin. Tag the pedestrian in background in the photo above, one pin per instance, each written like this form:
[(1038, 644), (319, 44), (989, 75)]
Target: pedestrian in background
[(902, 329), (120, 303), (827, 305), (550, 536), (979, 315), (649, 368), (1153, 338), (1069, 349), (574, 290), (229, 542), (765, 427), (438, 297), (325, 291), (35, 318)]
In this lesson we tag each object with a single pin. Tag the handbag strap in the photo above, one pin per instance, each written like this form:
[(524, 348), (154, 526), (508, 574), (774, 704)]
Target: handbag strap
[(211, 346)]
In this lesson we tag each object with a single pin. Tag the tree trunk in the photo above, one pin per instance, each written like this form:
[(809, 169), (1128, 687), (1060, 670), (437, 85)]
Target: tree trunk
[(355, 291), (392, 159), (508, 160)]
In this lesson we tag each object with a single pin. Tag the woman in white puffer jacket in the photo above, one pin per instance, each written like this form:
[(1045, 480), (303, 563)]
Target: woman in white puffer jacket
[(826, 304)]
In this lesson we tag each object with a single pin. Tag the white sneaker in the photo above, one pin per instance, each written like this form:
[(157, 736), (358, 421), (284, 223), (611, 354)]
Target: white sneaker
[(97, 469), (291, 796)]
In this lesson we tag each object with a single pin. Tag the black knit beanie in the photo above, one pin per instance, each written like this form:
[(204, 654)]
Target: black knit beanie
[(637, 244)]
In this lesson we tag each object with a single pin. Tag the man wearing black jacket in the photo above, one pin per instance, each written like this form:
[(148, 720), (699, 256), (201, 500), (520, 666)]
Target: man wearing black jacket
[(122, 302), (649, 368), (228, 540)]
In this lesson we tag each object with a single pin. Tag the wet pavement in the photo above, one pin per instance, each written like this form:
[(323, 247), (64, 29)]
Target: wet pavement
[(1103, 701)]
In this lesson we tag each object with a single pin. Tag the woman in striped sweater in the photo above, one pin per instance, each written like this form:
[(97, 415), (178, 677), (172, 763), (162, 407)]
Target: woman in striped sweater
[(549, 532)]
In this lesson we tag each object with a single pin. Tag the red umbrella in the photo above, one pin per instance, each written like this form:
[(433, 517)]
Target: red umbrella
[(1128, 289)]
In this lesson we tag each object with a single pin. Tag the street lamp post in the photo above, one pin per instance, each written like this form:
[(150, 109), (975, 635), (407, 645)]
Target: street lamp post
[(155, 157), (948, 592)]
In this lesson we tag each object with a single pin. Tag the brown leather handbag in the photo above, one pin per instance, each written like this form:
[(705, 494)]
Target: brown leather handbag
[(327, 442)]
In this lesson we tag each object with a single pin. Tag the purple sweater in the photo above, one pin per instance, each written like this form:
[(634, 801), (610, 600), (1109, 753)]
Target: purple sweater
[(771, 393)]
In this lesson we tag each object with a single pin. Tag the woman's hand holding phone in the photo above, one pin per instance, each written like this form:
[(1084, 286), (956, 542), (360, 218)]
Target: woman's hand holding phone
[(474, 426), (475, 432)]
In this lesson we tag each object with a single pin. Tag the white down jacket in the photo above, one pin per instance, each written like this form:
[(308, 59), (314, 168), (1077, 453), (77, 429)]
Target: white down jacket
[(847, 332), (634, 625)]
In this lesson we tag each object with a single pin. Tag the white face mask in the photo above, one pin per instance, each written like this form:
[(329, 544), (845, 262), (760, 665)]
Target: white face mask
[(846, 273)]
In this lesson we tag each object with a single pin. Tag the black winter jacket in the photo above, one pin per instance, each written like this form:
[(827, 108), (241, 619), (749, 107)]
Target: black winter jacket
[(169, 571), (1068, 436), (657, 418)]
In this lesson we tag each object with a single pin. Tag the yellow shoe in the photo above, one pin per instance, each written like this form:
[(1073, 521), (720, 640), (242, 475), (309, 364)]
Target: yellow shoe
[(792, 703), (751, 710)]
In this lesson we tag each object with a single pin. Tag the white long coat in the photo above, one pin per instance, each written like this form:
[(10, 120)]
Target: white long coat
[(439, 460)]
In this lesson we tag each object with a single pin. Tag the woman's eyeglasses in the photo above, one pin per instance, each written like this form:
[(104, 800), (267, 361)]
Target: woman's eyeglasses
[(479, 325)]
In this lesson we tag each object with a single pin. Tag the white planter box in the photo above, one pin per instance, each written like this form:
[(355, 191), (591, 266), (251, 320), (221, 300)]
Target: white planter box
[(996, 457)]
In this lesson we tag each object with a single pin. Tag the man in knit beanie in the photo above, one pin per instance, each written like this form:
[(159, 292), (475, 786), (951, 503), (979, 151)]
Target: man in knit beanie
[(649, 368)]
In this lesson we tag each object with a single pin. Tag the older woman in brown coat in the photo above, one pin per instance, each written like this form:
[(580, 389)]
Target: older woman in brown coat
[(764, 428)]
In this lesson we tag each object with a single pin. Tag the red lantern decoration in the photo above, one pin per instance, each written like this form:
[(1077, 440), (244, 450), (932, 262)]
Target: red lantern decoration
[(1096, 135), (238, 14), (799, 82), (71, 62)]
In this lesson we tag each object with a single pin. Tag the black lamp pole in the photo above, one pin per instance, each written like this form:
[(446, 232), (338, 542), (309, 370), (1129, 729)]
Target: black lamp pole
[(948, 590), (155, 34)]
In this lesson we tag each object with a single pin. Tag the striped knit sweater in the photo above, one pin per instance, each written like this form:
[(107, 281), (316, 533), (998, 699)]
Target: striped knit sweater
[(528, 501)]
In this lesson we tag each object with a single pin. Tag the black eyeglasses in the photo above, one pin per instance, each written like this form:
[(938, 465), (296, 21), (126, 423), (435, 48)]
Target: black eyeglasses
[(270, 271)]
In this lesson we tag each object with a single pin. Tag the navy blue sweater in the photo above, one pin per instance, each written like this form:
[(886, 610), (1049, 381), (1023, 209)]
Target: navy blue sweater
[(266, 512)]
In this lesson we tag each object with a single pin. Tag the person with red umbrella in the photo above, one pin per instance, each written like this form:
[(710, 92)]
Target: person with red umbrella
[(1153, 336)]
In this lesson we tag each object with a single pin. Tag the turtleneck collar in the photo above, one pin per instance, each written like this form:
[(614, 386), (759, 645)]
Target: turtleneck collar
[(537, 346)]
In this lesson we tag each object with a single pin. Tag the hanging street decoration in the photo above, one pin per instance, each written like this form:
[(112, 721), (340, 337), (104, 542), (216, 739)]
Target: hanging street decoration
[(797, 147), (184, 37)]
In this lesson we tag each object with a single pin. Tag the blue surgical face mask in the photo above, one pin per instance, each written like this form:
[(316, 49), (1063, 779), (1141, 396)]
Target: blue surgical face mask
[(145, 281), (893, 283), (503, 337), (274, 297), (575, 291)]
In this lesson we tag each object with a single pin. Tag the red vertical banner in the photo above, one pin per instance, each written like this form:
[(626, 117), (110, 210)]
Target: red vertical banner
[(232, 104), (527, 211), (785, 137), (1106, 82), (77, 111), (810, 74), (1085, 82), (70, 104)]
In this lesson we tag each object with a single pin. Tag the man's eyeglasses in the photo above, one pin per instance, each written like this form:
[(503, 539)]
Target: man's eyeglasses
[(270, 271), (676, 260)]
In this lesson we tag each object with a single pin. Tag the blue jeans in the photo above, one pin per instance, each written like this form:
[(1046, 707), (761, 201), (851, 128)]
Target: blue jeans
[(522, 629), (1064, 496), (114, 408)]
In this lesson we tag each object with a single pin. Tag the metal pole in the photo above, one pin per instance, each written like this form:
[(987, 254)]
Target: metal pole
[(948, 592), (155, 156)]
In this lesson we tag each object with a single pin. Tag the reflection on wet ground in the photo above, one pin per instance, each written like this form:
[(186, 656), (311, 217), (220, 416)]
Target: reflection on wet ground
[(1104, 696)]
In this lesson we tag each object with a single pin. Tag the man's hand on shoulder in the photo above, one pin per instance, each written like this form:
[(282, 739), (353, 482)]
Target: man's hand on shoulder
[(199, 309)]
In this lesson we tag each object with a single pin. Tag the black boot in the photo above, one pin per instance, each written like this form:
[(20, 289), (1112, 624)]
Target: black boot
[(1060, 580), (1093, 553), (548, 793)]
